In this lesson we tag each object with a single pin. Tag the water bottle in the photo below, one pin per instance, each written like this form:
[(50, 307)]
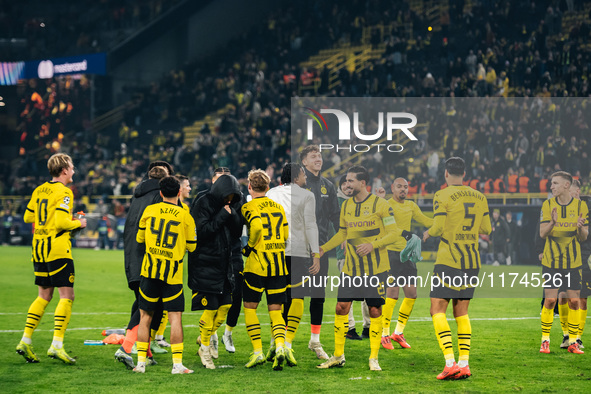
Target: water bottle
[(120, 331), (93, 342), (77, 215)]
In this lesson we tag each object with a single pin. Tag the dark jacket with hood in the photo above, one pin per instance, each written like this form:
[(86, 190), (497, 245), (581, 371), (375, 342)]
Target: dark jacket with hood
[(237, 260), (146, 193), (210, 265)]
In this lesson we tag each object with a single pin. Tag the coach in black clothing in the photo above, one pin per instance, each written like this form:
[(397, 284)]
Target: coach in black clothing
[(237, 265), (327, 212), (211, 275)]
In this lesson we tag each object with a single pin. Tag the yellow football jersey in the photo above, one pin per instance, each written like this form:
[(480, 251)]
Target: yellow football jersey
[(370, 221), (460, 213), (50, 209), (404, 212), (168, 230), (562, 250), (267, 233)]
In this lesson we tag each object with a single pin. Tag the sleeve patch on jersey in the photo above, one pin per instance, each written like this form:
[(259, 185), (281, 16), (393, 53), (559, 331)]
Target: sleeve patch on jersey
[(65, 206), (435, 205), (388, 220), (67, 200)]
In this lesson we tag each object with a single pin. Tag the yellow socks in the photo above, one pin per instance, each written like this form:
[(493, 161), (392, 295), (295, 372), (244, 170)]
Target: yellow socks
[(573, 325), (177, 353), (464, 337), (220, 317), (294, 315), (375, 327), (162, 327), (205, 326), (277, 328), (341, 327), (443, 333), (404, 314), (582, 321), (547, 319), (63, 312), (387, 311), (34, 315), (563, 312), (142, 351), (253, 327)]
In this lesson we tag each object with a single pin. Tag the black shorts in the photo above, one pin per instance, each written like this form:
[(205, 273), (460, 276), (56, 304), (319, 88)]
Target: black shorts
[(563, 279), (299, 279), (154, 291), (403, 273), (56, 273), (211, 301), (274, 286), (453, 283), (371, 289), (586, 284)]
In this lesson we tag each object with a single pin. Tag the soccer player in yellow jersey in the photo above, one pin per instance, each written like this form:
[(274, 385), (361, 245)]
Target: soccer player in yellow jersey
[(158, 343), (367, 225), (460, 213), (265, 269), (167, 230), (50, 209), (404, 272), (563, 224)]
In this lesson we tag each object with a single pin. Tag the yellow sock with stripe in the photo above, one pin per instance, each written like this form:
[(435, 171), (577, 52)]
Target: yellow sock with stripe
[(375, 328), (294, 316), (205, 326), (177, 353), (34, 315), (220, 317), (341, 327), (563, 312), (387, 311), (547, 319), (163, 323), (253, 327), (278, 328), (443, 333), (464, 337), (142, 351), (404, 314), (63, 312), (583, 320), (574, 317)]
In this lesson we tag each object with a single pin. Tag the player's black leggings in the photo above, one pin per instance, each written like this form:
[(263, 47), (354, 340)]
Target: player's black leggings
[(234, 311), (317, 299), (134, 320)]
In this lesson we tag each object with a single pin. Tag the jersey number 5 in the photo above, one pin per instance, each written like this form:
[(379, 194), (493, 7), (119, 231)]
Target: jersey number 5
[(267, 225), (468, 215)]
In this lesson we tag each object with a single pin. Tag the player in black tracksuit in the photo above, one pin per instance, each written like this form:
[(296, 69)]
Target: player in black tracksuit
[(327, 212)]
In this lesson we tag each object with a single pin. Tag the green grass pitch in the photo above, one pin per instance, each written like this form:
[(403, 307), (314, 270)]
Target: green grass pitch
[(504, 357)]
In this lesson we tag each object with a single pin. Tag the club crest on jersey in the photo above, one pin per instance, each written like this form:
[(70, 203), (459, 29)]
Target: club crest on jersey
[(323, 189), (366, 212)]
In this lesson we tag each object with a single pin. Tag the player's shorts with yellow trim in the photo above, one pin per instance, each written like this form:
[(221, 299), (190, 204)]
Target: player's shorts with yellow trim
[(211, 301), (562, 279), (154, 291), (274, 286), (56, 273), (372, 289), (453, 283)]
